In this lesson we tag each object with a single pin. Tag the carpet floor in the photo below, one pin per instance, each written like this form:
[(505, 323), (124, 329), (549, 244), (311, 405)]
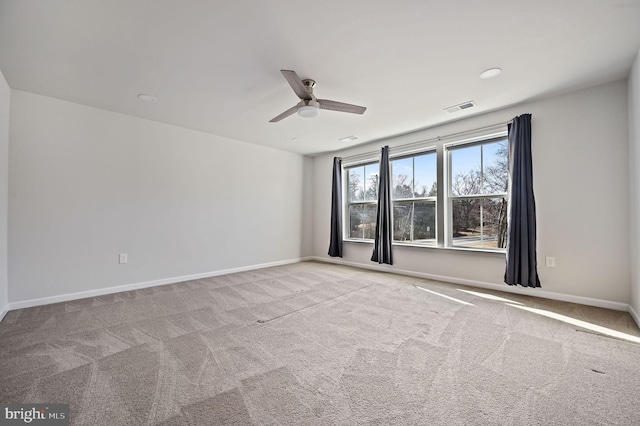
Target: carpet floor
[(320, 344)]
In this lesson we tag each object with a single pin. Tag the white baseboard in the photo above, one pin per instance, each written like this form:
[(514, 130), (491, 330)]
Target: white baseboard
[(491, 286), (3, 312), (634, 315), (382, 268), (137, 286)]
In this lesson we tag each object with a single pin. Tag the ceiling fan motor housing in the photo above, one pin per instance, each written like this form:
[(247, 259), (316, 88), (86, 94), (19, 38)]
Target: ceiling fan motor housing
[(309, 84)]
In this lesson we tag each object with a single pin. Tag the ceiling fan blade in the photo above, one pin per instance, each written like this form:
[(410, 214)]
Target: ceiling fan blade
[(296, 84), (341, 106), (284, 114)]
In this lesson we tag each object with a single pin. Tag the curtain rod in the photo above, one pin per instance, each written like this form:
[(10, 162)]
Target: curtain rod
[(369, 154)]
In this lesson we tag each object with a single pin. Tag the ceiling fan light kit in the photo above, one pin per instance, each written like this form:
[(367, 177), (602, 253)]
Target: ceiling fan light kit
[(309, 105), (308, 109)]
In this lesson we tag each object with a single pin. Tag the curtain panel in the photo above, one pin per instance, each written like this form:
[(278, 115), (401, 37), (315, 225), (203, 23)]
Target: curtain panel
[(382, 247), (335, 240), (521, 261)]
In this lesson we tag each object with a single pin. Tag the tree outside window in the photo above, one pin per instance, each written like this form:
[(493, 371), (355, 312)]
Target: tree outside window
[(478, 194)]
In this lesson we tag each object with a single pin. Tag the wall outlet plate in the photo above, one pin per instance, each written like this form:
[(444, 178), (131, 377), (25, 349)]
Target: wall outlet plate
[(550, 262), (123, 258)]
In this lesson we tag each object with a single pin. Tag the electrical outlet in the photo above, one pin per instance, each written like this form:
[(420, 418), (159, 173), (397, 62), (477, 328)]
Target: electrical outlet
[(550, 262), (124, 257)]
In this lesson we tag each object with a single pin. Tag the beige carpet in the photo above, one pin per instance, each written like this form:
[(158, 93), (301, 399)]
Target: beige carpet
[(319, 344)]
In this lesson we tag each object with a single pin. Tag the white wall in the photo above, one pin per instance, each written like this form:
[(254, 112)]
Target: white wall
[(87, 184), (4, 190), (634, 163), (581, 184), (307, 209)]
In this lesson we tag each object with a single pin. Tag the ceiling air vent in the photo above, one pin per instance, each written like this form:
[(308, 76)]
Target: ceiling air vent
[(459, 107)]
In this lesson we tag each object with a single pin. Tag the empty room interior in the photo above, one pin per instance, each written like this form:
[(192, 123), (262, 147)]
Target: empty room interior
[(341, 213)]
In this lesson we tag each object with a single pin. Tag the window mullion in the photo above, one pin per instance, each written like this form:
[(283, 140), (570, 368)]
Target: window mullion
[(482, 169), (413, 194), (441, 209)]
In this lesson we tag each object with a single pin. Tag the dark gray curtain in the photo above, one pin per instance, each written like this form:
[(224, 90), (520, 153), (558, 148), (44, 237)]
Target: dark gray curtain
[(521, 234), (384, 229), (335, 241)]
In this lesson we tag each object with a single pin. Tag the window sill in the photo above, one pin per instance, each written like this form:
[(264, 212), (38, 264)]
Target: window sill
[(358, 241), (434, 247)]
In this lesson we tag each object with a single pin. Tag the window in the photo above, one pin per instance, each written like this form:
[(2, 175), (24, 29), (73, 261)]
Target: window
[(362, 199), (477, 193), (413, 195), (446, 195)]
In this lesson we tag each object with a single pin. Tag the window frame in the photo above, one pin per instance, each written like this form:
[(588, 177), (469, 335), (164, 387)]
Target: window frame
[(450, 198), (434, 199), (442, 147), (346, 228)]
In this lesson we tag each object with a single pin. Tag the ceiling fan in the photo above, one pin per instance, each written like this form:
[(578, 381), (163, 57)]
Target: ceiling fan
[(309, 105)]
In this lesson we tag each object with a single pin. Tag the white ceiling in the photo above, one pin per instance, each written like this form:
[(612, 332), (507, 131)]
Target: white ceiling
[(215, 65)]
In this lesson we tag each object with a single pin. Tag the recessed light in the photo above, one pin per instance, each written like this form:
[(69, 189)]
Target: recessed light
[(146, 98), (295, 140), (490, 73), (348, 138)]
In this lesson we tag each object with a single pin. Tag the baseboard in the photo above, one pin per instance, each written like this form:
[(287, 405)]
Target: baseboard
[(137, 286), (3, 312), (634, 315), (491, 286), (381, 268)]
